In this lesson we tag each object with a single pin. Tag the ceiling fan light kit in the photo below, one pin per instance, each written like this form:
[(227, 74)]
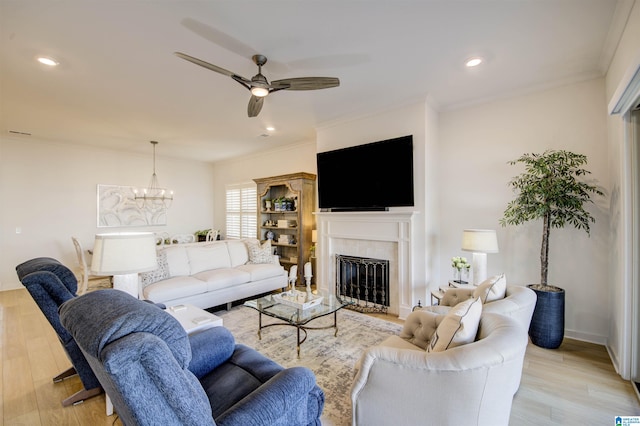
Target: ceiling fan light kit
[(259, 86)]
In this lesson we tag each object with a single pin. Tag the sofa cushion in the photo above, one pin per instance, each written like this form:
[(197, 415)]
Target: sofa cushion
[(458, 327), (178, 261), (211, 256), (161, 273), (237, 252), (493, 288), (262, 271), (174, 288), (259, 253), (223, 278)]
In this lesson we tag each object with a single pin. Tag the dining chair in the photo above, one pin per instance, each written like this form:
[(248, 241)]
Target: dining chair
[(212, 235), (162, 238), (183, 238), (86, 277)]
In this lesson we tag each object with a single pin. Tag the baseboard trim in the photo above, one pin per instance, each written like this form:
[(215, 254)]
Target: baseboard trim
[(586, 337)]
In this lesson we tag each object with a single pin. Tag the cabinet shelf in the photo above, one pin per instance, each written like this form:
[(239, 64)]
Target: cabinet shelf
[(291, 228), (280, 212), (274, 243), (302, 188)]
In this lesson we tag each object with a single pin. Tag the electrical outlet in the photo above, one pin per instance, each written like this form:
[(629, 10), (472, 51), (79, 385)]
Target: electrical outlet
[(18, 230)]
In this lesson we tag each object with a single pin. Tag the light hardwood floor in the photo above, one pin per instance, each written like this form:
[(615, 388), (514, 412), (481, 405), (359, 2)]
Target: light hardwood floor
[(573, 385)]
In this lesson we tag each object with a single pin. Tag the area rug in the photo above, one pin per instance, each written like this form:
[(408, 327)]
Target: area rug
[(330, 358)]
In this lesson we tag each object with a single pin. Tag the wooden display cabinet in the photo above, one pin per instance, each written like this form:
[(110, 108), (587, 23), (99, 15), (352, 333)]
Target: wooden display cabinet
[(290, 224)]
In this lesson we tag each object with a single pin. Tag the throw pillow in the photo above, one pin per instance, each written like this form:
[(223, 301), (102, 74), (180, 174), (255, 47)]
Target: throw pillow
[(161, 273), (493, 288), (259, 253), (208, 257), (458, 327)]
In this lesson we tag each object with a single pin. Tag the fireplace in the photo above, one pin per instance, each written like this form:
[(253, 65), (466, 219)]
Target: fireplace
[(376, 235), (363, 281)]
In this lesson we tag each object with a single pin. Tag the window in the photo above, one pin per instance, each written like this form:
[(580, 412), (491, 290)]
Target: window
[(242, 211)]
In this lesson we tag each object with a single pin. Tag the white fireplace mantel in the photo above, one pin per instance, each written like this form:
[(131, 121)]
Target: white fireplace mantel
[(367, 234)]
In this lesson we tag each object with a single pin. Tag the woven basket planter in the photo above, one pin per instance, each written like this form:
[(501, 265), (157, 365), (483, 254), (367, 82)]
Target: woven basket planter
[(547, 324)]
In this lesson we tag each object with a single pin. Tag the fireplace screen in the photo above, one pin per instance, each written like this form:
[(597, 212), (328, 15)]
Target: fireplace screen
[(364, 281)]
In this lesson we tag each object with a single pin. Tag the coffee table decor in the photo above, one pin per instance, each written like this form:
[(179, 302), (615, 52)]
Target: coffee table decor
[(298, 299), (293, 313)]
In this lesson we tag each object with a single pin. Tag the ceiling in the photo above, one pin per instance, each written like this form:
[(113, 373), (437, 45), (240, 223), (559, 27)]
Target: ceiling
[(119, 85)]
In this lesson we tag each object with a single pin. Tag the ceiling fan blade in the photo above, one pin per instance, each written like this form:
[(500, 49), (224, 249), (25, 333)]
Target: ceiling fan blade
[(211, 67), (306, 83), (255, 106)]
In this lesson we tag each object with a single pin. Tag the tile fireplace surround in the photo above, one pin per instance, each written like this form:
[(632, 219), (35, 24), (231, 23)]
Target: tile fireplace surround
[(380, 235)]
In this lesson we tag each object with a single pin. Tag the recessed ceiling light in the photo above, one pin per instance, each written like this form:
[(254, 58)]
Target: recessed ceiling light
[(473, 62), (48, 61), (271, 129)]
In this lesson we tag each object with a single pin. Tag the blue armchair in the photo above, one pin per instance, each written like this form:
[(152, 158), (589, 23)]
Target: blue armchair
[(50, 283), (157, 374)]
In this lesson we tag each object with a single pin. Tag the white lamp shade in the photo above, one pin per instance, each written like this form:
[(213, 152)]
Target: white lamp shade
[(480, 240), (124, 253)]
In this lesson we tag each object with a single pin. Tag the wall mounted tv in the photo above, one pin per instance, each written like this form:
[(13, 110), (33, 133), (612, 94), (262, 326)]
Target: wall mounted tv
[(373, 177)]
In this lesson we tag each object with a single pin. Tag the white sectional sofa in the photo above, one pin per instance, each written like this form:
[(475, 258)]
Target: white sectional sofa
[(212, 273)]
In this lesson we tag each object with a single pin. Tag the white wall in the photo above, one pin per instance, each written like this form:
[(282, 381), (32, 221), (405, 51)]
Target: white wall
[(295, 158), (620, 257), (475, 145), (48, 189)]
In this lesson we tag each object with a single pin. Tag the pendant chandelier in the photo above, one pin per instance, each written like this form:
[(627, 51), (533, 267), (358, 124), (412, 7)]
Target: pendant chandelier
[(153, 197)]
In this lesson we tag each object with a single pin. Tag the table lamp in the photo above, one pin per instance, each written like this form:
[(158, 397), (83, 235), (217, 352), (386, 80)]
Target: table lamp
[(123, 255), (480, 242)]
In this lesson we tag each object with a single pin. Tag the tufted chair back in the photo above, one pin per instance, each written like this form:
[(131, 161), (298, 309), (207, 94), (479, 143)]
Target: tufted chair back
[(518, 303)]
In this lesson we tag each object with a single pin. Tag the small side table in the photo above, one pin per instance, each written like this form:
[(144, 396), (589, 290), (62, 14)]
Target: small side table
[(454, 284), (194, 319), (436, 296)]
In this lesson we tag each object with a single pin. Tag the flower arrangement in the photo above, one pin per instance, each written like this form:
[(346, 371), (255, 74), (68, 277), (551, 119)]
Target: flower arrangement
[(460, 264)]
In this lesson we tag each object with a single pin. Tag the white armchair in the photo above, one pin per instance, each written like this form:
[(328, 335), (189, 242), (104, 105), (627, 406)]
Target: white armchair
[(518, 303), (398, 382)]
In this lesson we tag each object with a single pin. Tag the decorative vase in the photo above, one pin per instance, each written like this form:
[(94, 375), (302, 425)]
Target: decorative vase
[(267, 205), (547, 324), (464, 276)]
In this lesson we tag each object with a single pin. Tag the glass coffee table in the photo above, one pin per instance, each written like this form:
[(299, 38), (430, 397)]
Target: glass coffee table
[(298, 318)]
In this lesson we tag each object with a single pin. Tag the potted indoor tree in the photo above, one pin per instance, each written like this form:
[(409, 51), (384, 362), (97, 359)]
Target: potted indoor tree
[(550, 189)]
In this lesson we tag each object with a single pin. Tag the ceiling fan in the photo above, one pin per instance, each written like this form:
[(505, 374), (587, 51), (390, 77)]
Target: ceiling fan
[(260, 86)]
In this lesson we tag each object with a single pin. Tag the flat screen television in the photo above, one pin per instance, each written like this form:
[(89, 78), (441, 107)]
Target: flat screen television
[(373, 176)]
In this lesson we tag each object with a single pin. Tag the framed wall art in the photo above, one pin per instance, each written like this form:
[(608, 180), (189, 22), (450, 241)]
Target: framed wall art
[(117, 207)]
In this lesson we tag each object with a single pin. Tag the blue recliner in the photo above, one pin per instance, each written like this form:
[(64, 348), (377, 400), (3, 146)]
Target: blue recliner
[(50, 283), (157, 374)]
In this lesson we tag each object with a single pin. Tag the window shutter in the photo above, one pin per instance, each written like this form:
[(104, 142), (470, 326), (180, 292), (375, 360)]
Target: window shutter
[(242, 211)]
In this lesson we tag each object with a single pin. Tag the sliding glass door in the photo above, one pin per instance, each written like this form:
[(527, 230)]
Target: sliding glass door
[(635, 174)]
